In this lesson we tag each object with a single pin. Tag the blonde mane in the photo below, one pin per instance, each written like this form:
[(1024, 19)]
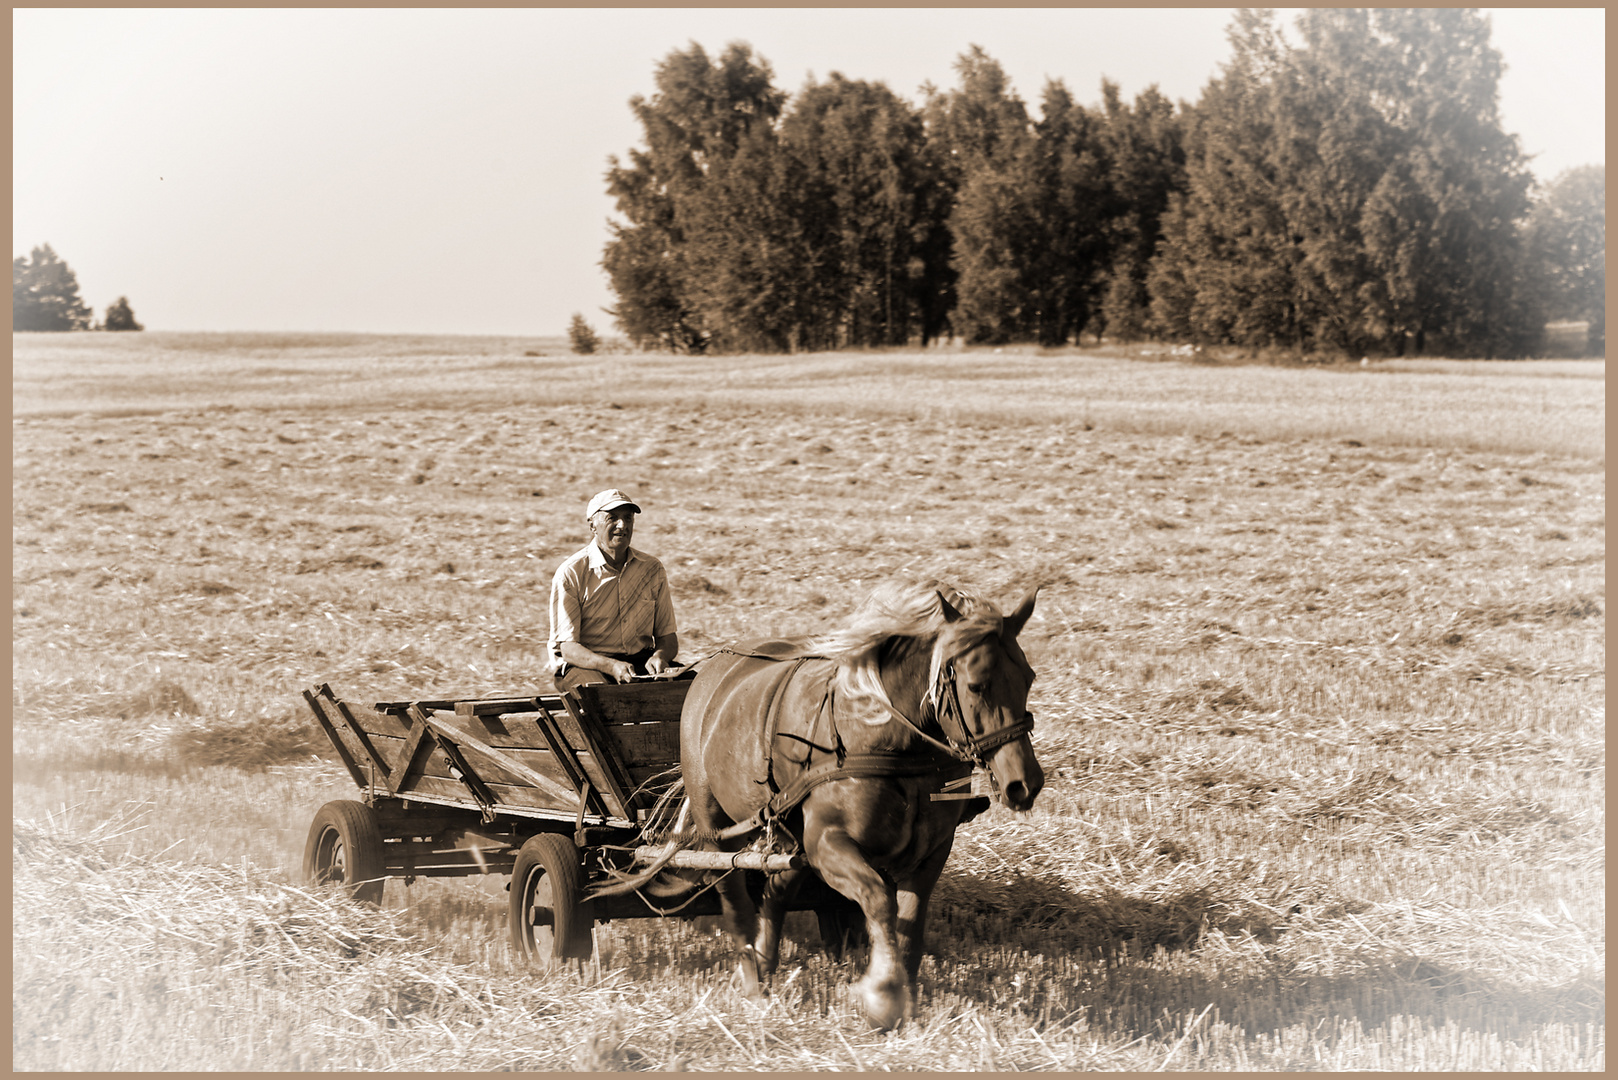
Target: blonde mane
[(901, 608)]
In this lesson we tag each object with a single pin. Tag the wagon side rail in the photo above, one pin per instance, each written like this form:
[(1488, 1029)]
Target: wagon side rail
[(355, 748), (600, 756)]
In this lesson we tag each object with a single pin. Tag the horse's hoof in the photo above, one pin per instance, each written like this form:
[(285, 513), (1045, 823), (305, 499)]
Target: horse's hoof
[(745, 981), (883, 1010)]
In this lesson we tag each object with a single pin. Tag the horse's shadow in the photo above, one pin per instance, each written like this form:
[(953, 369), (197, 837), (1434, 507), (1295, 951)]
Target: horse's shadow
[(1130, 965)]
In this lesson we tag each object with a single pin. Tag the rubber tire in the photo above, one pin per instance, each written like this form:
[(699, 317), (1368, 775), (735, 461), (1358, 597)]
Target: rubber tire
[(345, 848), (549, 868)]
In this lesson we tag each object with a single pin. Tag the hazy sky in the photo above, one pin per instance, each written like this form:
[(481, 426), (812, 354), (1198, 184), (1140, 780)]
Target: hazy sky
[(440, 171)]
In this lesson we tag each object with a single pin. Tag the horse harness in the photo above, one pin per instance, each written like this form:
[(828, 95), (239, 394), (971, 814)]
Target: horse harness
[(952, 763)]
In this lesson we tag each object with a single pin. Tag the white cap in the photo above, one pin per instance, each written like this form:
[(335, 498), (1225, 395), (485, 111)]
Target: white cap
[(610, 499)]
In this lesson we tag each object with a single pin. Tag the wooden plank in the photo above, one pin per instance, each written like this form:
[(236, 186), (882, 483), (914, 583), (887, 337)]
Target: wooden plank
[(500, 706), (583, 753), (635, 703), (336, 740), (540, 760), (406, 761), (377, 759), (520, 800), (544, 784), (370, 721), (589, 797), (460, 768), (618, 782), (646, 744), (451, 798)]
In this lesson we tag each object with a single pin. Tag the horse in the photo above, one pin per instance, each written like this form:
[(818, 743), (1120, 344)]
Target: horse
[(842, 746)]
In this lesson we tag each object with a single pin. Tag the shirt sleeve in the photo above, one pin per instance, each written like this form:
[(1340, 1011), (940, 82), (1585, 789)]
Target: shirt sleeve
[(567, 612), (663, 617)]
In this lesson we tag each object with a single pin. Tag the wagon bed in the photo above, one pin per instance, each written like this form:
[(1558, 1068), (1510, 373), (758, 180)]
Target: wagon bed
[(560, 791), (595, 756)]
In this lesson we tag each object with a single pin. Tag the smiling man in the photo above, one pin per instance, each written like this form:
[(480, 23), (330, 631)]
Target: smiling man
[(611, 613)]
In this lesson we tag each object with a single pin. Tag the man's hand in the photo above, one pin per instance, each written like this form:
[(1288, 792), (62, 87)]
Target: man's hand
[(620, 670), (656, 664)]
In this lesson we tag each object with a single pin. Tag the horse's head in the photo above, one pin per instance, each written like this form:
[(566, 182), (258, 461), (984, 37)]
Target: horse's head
[(980, 684)]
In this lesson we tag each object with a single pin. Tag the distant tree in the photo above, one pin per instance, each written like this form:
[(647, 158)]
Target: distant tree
[(698, 117), (868, 214), (750, 270), (1355, 192), (1146, 160), (45, 293), (580, 335), (120, 316), (1224, 270), (1567, 234), (981, 139), (1443, 225)]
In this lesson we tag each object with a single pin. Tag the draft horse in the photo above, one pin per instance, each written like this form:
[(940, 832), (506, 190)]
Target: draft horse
[(842, 747)]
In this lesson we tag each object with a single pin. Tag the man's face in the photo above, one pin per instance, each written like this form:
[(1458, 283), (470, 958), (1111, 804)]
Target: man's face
[(613, 529)]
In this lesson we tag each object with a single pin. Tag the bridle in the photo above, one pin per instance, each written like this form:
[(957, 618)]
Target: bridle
[(962, 743), (958, 741)]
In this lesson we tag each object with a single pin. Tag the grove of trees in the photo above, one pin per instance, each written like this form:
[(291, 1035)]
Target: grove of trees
[(1351, 192), (45, 296), (45, 293)]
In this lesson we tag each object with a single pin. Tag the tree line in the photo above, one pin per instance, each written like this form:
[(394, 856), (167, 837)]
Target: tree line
[(45, 296), (1351, 193)]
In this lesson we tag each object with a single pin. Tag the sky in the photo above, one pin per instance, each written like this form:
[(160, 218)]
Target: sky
[(441, 171)]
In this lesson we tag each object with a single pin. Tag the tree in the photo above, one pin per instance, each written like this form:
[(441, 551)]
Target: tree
[(1146, 158), (580, 335), (45, 293), (120, 316), (699, 116), (868, 179), (1355, 192), (1443, 224), (1567, 235), (1224, 270), (751, 270), (980, 138)]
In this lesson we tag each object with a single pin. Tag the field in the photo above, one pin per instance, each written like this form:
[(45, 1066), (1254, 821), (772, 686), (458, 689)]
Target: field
[(1321, 695)]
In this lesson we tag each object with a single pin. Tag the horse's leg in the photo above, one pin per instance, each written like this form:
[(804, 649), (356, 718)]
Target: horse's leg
[(836, 856), (779, 890), (914, 891), (736, 906), (741, 922)]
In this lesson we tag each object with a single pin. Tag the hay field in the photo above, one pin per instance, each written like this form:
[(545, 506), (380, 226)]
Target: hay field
[(1321, 695)]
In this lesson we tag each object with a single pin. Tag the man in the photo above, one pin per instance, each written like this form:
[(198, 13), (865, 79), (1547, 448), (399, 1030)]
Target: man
[(611, 613)]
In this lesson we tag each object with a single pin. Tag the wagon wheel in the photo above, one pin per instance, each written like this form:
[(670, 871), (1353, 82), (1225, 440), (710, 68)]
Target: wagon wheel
[(549, 923), (345, 848)]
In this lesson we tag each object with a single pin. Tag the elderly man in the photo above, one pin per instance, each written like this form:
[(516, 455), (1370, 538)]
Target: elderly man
[(611, 613)]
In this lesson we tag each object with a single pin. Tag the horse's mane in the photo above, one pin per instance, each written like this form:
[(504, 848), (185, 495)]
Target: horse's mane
[(902, 609)]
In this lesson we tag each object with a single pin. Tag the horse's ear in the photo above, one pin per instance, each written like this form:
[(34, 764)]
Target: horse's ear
[(950, 611), (1018, 619)]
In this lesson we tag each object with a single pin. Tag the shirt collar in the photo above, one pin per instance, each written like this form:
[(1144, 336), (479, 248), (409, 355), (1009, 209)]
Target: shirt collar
[(598, 558)]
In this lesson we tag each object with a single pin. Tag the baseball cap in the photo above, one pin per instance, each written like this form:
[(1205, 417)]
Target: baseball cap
[(610, 499)]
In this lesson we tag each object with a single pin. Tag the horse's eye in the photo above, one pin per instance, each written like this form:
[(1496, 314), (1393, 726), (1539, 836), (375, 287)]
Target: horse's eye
[(981, 689)]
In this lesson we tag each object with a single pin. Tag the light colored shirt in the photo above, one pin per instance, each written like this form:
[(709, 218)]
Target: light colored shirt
[(607, 610)]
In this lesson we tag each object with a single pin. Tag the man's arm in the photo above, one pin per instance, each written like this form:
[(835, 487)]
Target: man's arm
[(665, 638), (579, 656), (567, 617), (662, 657)]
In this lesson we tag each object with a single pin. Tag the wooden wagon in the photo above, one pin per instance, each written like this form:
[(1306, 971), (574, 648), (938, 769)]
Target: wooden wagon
[(561, 792)]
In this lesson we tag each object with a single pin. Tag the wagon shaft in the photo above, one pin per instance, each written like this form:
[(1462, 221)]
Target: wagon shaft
[(723, 860)]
